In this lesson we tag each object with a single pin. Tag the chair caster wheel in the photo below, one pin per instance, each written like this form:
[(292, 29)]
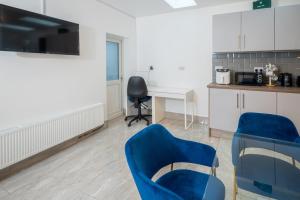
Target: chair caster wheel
[(125, 119), (129, 125)]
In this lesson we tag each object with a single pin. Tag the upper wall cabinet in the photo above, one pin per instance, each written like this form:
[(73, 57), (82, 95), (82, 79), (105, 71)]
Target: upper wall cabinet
[(246, 31), (287, 28), (258, 30), (227, 32)]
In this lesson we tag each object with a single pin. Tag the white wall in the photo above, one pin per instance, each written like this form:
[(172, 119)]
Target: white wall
[(35, 86), (183, 39)]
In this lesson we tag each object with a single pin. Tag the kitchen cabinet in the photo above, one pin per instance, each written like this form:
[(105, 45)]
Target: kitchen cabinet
[(224, 109), (258, 30), (227, 32), (226, 106), (288, 105), (287, 28), (244, 31), (256, 101)]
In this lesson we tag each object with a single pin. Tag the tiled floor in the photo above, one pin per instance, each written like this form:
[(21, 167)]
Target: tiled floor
[(96, 168)]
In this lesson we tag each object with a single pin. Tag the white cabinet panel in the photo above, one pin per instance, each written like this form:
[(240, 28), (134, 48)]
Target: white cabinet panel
[(227, 32), (260, 102), (287, 27), (288, 105), (258, 30), (224, 109)]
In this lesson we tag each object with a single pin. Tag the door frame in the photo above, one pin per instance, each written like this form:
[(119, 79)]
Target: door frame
[(110, 38)]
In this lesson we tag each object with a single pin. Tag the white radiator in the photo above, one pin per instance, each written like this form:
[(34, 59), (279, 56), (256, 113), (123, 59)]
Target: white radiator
[(20, 143)]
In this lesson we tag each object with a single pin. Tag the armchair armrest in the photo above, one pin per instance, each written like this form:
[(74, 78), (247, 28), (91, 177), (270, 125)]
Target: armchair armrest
[(196, 153)]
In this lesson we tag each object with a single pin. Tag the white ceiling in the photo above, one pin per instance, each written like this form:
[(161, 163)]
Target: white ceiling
[(140, 8)]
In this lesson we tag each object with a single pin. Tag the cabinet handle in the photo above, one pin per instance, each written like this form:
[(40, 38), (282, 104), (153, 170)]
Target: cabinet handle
[(243, 101), (244, 41), (239, 42), (237, 101)]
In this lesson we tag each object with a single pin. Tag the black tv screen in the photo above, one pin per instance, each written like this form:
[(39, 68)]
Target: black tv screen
[(24, 31)]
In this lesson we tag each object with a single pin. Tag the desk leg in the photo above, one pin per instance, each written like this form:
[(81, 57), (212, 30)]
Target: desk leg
[(158, 109), (185, 113), (186, 125)]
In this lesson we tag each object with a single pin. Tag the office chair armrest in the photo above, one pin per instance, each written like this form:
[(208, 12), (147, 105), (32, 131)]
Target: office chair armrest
[(196, 153)]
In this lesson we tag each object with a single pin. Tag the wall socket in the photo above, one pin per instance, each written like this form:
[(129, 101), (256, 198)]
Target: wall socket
[(181, 68), (258, 69)]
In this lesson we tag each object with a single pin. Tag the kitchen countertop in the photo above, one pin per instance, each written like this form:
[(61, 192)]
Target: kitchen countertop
[(256, 88)]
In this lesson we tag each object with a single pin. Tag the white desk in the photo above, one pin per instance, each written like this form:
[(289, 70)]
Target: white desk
[(159, 96)]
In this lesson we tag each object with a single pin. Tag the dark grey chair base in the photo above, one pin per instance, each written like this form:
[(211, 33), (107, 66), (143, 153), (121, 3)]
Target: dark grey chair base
[(138, 118)]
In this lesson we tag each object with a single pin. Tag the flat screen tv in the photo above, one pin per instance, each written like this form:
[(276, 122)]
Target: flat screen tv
[(24, 31)]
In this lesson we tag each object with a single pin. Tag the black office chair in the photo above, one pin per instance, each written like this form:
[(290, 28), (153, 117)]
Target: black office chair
[(137, 93)]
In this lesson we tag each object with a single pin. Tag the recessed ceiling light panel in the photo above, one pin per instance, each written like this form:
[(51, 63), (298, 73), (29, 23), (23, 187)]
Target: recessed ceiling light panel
[(181, 3)]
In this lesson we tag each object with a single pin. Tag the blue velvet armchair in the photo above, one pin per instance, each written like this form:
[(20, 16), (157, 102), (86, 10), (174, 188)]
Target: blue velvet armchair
[(154, 148), (266, 129)]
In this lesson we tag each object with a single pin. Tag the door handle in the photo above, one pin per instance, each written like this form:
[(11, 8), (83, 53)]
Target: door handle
[(237, 100)]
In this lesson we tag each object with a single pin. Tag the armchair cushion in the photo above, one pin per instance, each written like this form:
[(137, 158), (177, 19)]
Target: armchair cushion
[(185, 183), (191, 185)]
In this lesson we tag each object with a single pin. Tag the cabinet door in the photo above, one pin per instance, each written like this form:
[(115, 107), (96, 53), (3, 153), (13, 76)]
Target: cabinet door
[(260, 102), (288, 106), (258, 30), (227, 32), (287, 28), (224, 109)]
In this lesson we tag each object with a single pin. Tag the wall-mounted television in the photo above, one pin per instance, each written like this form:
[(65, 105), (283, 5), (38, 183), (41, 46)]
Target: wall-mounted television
[(24, 31)]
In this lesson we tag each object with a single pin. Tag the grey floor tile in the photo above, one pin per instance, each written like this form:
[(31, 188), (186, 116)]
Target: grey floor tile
[(3, 193)]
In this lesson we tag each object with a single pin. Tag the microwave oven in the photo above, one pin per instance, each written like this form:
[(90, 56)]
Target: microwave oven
[(245, 78)]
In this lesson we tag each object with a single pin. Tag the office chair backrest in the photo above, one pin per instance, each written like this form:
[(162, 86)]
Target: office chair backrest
[(137, 87), (147, 152)]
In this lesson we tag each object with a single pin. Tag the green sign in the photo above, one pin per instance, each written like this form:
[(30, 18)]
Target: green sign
[(262, 4)]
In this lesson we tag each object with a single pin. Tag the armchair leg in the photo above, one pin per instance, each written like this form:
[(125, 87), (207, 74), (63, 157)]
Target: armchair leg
[(235, 187), (214, 171), (294, 162)]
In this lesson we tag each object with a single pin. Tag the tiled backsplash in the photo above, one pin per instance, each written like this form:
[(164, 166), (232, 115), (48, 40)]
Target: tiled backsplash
[(288, 62)]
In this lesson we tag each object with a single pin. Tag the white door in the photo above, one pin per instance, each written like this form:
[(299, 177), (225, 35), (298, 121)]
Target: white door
[(224, 109), (258, 30), (114, 78), (227, 32), (260, 102)]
